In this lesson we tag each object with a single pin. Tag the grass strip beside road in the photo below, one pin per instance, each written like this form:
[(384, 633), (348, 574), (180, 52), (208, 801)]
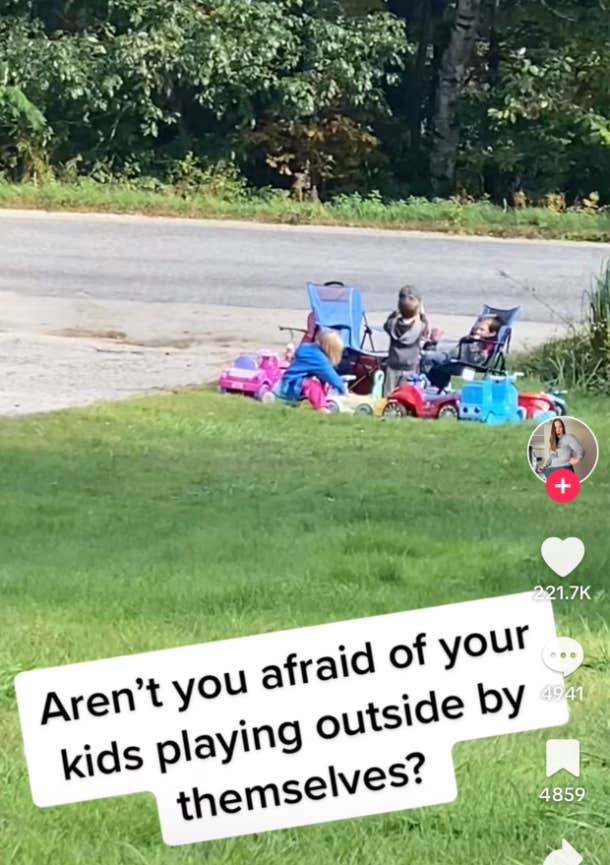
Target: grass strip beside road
[(418, 214)]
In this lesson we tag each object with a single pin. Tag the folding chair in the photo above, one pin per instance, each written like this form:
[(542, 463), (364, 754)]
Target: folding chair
[(340, 307), (496, 361)]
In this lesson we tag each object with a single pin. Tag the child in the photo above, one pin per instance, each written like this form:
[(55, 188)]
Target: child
[(312, 370), (406, 327), (478, 346), (473, 350)]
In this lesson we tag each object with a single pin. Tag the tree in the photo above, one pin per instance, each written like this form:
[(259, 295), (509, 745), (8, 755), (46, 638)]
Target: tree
[(23, 131), (134, 78), (316, 151), (454, 65), (535, 114), (499, 97)]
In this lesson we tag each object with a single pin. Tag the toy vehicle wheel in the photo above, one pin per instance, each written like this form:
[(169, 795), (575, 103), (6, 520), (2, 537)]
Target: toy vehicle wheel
[(365, 408), (265, 394), (333, 406), (448, 412), (396, 409)]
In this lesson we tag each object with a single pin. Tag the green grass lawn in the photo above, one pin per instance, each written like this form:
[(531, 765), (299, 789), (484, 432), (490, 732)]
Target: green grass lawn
[(419, 214), (167, 521)]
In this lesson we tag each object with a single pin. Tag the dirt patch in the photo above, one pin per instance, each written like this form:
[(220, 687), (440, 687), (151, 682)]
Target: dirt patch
[(57, 353), (184, 342), (121, 336), (81, 333)]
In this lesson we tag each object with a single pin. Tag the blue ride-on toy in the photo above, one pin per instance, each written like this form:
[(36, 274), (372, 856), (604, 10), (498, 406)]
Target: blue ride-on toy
[(491, 400)]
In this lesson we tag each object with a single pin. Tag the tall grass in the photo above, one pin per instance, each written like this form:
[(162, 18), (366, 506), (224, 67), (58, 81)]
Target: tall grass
[(598, 316), (582, 358)]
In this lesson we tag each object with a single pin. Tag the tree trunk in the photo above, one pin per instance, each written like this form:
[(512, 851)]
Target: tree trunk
[(454, 64), (490, 179), (418, 77)]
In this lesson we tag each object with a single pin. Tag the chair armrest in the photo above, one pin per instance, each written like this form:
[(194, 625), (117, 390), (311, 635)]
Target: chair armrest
[(470, 340)]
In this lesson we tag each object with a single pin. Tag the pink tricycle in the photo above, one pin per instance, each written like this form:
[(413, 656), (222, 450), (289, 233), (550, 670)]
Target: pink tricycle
[(252, 376)]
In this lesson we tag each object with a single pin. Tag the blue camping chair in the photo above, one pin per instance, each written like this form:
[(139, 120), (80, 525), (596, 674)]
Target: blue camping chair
[(340, 307), (496, 361)]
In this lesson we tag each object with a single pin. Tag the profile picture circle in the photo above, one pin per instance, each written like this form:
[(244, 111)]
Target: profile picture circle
[(562, 444)]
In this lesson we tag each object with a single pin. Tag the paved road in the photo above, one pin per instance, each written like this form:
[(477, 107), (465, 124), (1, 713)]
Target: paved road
[(103, 258)]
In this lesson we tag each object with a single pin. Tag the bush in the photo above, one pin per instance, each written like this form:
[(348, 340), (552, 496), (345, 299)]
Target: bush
[(582, 358), (218, 180)]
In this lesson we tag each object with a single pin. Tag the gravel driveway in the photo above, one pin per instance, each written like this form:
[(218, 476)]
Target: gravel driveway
[(58, 352)]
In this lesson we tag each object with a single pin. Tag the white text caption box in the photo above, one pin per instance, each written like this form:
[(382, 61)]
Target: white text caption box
[(294, 727)]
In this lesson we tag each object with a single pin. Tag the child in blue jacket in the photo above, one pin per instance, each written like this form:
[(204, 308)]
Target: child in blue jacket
[(312, 370)]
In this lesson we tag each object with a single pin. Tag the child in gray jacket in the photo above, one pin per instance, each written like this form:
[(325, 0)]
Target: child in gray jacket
[(407, 327)]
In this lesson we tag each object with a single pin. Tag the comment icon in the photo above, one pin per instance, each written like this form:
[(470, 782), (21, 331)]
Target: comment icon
[(563, 655)]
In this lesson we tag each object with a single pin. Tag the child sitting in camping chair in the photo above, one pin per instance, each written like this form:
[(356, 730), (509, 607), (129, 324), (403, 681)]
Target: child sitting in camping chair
[(475, 351)]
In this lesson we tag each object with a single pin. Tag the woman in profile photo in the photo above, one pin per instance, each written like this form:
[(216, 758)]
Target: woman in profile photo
[(566, 450)]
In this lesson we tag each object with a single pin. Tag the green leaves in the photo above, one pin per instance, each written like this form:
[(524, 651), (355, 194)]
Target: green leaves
[(136, 85), (128, 80), (18, 114), (23, 131), (537, 111)]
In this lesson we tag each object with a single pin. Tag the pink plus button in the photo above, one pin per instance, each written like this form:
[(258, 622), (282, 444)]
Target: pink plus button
[(562, 486)]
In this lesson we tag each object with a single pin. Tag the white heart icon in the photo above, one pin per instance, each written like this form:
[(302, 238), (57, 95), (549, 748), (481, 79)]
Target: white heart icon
[(563, 556)]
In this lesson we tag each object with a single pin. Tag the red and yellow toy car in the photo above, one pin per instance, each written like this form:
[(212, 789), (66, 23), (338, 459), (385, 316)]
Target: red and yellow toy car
[(415, 399)]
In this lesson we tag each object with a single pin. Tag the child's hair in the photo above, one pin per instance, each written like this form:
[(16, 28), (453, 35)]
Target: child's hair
[(493, 325), (331, 344), (492, 321), (409, 302)]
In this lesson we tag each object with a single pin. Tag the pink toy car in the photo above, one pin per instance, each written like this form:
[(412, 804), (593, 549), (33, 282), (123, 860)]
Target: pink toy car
[(252, 376)]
